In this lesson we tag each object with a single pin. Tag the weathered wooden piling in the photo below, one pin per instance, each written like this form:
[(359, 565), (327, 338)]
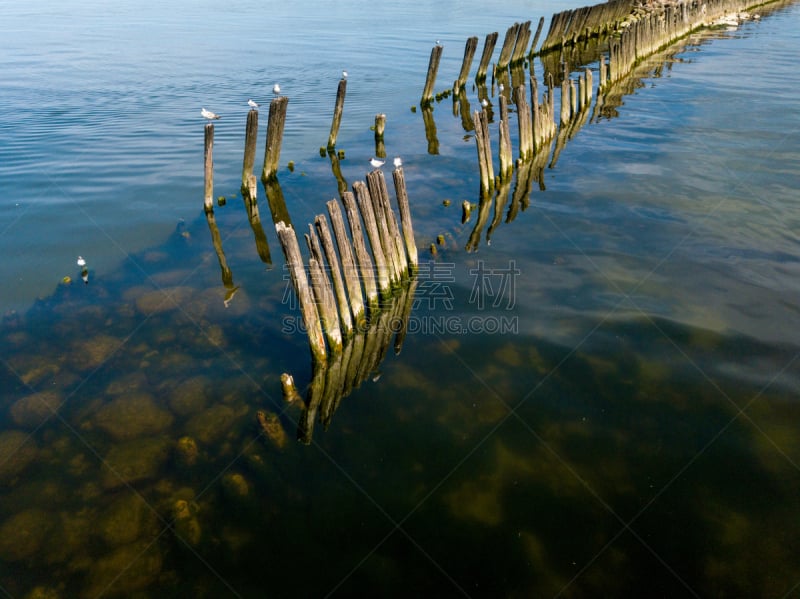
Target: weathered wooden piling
[(208, 167), (565, 102), (520, 51), (250, 141), (488, 49), (373, 234), (430, 79), (532, 51), (349, 268), (323, 294), (294, 261), (469, 55), (337, 113), (377, 182), (405, 217), (524, 123), (508, 47), (505, 157), (483, 144), (365, 265), (335, 269), (275, 124)]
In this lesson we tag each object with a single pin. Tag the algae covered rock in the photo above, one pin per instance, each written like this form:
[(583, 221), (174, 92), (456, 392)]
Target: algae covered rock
[(22, 534), (190, 396), (126, 520), (17, 450), (30, 411), (134, 461), (212, 424), (132, 416), (235, 485), (186, 451), (128, 569), (185, 522)]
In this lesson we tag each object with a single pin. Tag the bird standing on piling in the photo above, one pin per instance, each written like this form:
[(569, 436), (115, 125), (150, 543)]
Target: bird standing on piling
[(252, 103), (344, 74), (276, 89), (209, 115), (397, 162), (376, 163)]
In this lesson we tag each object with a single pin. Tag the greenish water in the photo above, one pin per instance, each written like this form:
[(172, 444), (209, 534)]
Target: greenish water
[(601, 401)]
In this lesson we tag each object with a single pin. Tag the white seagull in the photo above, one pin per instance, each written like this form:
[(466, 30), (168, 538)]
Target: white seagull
[(484, 102), (376, 163), (81, 261), (252, 103), (209, 115), (397, 162), (344, 74), (276, 89)]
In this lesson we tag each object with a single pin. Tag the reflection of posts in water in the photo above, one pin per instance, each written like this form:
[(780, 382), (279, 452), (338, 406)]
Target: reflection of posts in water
[(341, 183), (275, 124), (337, 113), (522, 190), (227, 275), (461, 107), (430, 130), (469, 54), (277, 204), (483, 215), (208, 167), (291, 251), (359, 359), (250, 140), (430, 79), (500, 201), (380, 128), (486, 56), (251, 205), (484, 148)]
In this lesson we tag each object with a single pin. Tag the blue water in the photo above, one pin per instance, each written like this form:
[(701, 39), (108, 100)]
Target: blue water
[(600, 401)]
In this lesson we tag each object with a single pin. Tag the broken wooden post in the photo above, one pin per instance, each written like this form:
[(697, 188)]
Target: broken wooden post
[(365, 266), (565, 110), (337, 113), (294, 261), (405, 217), (484, 150), (349, 269), (208, 198), (380, 197), (488, 48), (370, 224), (433, 67), (524, 122), (276, 122), (508, 47), (469, 54), (506, 161), (324, 234), (521, 45), (536, 38), (250, 140), (323, 294)]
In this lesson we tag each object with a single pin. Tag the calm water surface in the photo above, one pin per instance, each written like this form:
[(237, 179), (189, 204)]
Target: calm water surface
[(599, 398)]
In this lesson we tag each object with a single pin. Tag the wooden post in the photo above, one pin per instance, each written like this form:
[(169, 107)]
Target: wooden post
[(433, 67), (276, 122), (565, 110), (321, 287), (536, 38), (588, 87), (508, 46), (337, 113), (360, 247), (378, 254), (324, 234), (250, 140), (484, 150), (506, 162), (208, 198), (378, 181), (469, 54), (573, 99), (349, 269), (291, 251), (524, 121), (488, 48), (521, 45), (405, 217)]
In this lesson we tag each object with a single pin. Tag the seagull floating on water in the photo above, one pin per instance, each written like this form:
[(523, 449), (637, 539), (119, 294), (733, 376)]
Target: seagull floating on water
[(397, 162), (252, 103), (209, 115), (376, 163), (81, 261), (276, 89)]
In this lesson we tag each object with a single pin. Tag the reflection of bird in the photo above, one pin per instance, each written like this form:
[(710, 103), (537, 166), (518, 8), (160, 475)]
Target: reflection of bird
[(252, 103), (81, 261), (276, 89), (397, 162), (376, 163), (209, 115), (344, 74)]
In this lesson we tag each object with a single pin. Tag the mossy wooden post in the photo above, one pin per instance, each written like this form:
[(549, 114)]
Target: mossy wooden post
[(506, 161), (405, 217), (508, 47), (488, 49), (380, 128), (365, 265), (337, 113), (521, 45), (378, 254), (532, 51), (430, 80), (276, 122), (323, 294), (291, 251), (208, 167), (349, 268), (377, 179), (250, 141), (345, 313), (469, 55)]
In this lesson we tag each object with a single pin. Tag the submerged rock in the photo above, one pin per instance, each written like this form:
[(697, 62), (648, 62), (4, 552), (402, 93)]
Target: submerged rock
[(22, 535), (212, 424), (89, 354), (17, 450), (190, 396), (130, 568), (133, 416), (135, 461), (187, 452), (185, 522), (30, 411), (126, 520)]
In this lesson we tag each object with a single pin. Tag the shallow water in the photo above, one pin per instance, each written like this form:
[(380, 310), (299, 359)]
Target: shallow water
[(601, 401)]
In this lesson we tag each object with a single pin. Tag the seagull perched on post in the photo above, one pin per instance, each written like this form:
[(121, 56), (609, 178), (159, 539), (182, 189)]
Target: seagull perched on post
[(252, 103), (376, 163), (209, 115), (344, 74), (397, 162), (276, 89)]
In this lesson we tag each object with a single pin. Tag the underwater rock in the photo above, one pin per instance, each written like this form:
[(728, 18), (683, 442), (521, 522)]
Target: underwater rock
[(17, 450), (30, 411), (185, 522), (22, 535), (186, 451), (70, 537), (130, 568), (133, 416), (90, 353), (271, 426), (127, 383), (134, 461), (126, 520), (190, 396), (235, 485), (212, 424), (43, 592), (158, 301)]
